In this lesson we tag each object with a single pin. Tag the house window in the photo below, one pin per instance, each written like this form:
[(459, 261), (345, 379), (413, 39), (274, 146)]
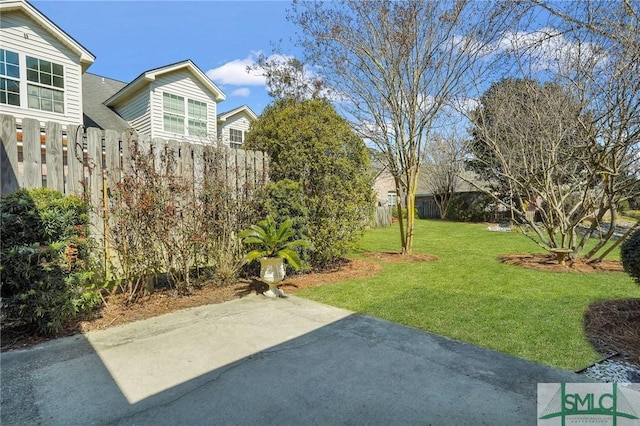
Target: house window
[(45, 87), (197, 118), (392, 198), (236, 137), (10, 82), (177, 113), (173, 107)]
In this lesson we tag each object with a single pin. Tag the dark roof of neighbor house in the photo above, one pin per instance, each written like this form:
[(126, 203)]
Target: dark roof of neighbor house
[(95, 90), (463, 184)]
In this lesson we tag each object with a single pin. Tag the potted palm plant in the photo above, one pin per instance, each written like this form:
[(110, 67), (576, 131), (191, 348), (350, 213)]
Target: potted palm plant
[(273, 245)]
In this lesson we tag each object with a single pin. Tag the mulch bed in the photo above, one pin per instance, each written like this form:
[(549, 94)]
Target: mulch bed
[(613, 327), (547, 262), (395, 257)]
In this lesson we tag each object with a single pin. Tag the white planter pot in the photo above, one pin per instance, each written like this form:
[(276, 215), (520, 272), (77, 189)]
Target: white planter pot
[(272, 270)]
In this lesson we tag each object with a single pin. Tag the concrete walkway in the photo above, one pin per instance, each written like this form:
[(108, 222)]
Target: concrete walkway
[(260, 361)]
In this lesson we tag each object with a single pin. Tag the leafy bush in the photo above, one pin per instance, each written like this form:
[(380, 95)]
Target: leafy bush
[(630, 255), (310, 144), (162, 226), (469, 209), (285, 199), (394, 213), (46, 259)]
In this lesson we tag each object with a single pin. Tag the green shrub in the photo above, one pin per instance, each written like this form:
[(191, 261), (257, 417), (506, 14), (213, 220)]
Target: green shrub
[(310, 144), (469, 208), (285, 199), (45, 259), (394, 213), (630, 255)]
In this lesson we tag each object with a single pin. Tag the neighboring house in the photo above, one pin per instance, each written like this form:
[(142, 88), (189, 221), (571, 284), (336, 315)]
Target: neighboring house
[(41, 66), (384, 185), (43, 76), (386, 195), (177, 101), (425, 202), (232, 125)]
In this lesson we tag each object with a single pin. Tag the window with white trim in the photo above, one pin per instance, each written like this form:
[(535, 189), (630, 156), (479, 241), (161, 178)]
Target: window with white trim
[(392, 198), (173, 108), (197, 118), (184, 116), (10, 80), (236, 138), (45, 85)]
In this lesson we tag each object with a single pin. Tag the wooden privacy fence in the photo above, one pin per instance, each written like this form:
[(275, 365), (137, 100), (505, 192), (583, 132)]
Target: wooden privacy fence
[(91, 161)]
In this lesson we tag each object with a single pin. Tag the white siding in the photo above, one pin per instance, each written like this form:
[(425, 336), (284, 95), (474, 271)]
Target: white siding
[(181, 83), (20, 34), (239, 121), (137, 112)]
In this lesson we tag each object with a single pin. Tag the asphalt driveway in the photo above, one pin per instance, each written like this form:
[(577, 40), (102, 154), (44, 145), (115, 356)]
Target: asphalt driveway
[(260, 361)]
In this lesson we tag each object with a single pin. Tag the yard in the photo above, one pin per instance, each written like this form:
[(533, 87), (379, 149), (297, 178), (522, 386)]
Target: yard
[(454, 285), (467, 294)]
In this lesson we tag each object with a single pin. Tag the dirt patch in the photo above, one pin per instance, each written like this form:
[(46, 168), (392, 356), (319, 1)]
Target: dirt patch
[(546, 262), (394, 257), (160, 302), (613, 327)]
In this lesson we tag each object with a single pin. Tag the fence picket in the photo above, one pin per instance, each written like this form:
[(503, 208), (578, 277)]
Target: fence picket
[(54, 156), (32, 154), (129, 142), (75, 164), (158, 149), (94, 153), (112, 157), (9, 181)]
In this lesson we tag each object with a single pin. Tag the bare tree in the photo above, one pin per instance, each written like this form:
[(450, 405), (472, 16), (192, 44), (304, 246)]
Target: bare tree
[(529, 141), (573, 153), (605, 74), (287, 78), (443, 164), (395, 66)]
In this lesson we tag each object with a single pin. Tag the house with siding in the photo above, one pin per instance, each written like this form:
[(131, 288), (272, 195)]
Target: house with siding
[(41, 66), (43, 75), (233, 125), (426, 206), (176, 101)]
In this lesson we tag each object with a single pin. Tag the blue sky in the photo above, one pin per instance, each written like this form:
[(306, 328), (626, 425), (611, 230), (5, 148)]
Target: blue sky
[(220, 37)]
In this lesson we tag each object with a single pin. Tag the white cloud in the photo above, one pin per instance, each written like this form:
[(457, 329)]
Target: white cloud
[(235, 73), (550, 50), (465, 105), (242, 92)]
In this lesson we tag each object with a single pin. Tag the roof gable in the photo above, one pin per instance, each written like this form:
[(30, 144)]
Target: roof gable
[(148, 76), (223, 116), (86, 58)]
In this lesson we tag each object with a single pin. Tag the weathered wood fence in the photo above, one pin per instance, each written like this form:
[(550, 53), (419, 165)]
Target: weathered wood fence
[(90, 162), (382, 217)]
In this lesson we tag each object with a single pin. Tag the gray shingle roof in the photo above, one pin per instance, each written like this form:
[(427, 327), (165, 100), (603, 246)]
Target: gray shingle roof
[(95, 90)]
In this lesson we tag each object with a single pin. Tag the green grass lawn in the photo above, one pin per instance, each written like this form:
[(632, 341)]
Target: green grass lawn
[(470, 296)]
